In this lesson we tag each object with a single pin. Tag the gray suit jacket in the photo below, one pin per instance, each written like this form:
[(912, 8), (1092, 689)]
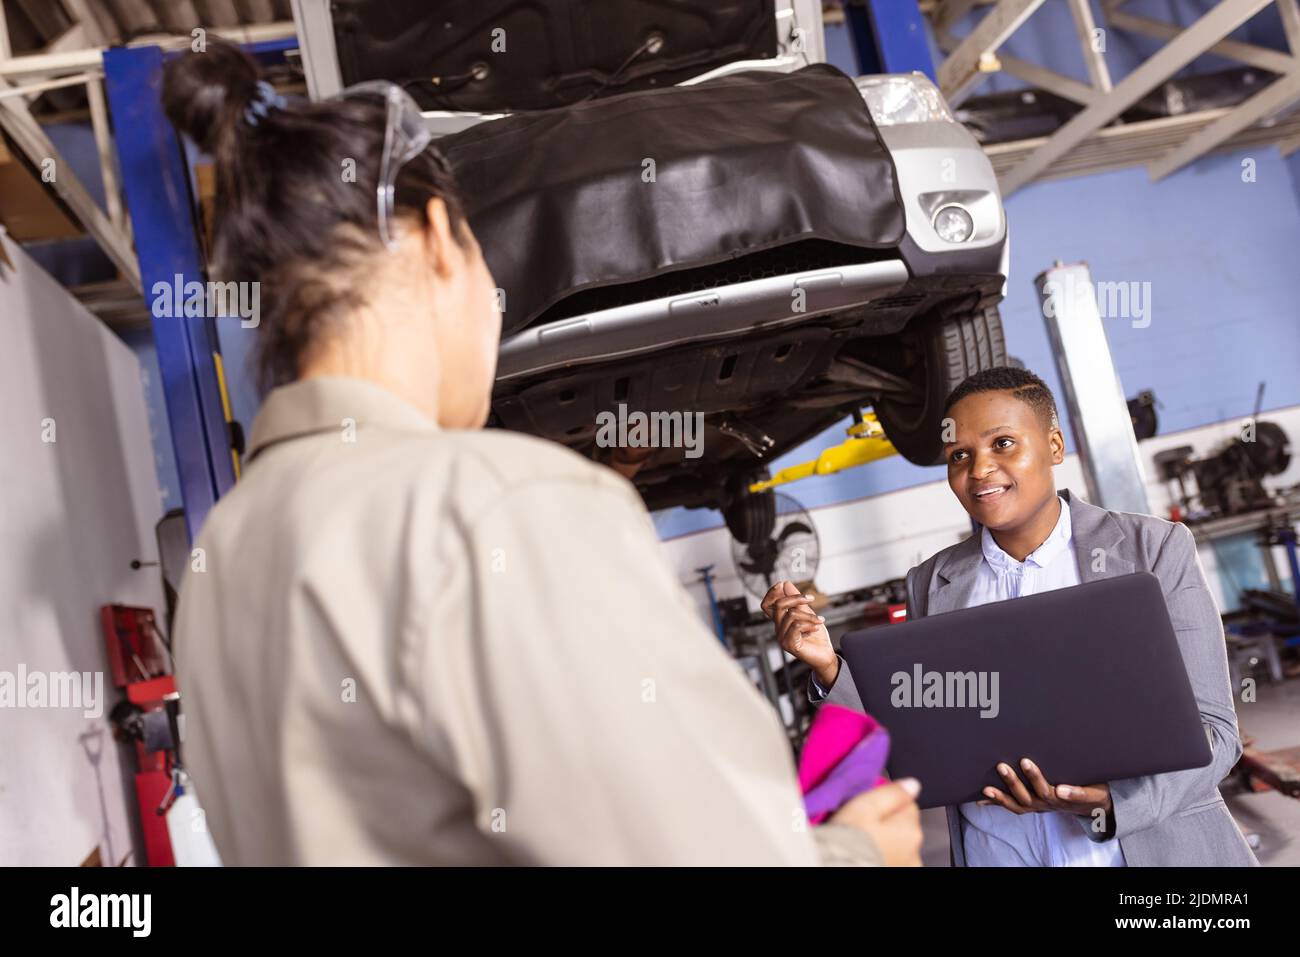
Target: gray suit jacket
[(1174, 819)]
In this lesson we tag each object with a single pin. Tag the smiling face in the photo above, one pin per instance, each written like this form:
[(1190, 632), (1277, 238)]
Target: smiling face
[(1000, 462)]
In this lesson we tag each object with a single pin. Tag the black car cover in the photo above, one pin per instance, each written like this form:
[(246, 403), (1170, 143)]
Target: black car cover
[(622, 189)]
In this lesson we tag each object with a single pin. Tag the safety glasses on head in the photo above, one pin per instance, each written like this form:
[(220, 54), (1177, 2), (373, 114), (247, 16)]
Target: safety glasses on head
[(405, 137)]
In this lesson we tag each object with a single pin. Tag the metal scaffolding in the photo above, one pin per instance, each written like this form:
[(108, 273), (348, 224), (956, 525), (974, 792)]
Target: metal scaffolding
[(1087, 143), (74, 58)]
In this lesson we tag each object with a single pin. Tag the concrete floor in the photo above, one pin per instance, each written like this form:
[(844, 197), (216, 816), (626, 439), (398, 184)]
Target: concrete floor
[(1273, 722)]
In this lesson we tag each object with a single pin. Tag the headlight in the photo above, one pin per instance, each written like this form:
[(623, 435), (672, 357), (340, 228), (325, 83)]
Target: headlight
[(895, 98), (953, 223)]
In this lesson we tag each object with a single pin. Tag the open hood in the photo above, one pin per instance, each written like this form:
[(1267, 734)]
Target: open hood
[(506, 55)]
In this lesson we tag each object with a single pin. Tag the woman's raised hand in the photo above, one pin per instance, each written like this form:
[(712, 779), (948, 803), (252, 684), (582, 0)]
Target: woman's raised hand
[(801, 631)]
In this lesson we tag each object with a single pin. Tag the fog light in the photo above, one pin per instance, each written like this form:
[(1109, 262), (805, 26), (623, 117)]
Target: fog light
[(953, 224)]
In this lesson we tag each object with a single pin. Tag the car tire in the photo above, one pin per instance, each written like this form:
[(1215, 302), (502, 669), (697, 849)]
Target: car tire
[(950, 349), (750, 516)]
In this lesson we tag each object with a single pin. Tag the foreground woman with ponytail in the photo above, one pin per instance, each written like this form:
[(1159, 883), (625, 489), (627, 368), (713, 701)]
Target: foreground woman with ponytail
[(415, 641)]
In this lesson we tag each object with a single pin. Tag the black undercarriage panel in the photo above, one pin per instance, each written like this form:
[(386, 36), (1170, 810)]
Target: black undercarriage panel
[(785, 386)]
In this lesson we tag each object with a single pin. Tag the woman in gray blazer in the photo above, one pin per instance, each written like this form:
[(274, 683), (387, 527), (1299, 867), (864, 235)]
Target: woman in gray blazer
[(1005, 439)]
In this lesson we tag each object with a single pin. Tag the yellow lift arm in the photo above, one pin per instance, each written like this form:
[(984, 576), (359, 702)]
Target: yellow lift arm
[(866, 443)]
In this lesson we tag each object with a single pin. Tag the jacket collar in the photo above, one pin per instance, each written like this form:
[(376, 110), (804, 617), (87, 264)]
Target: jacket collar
[(1096, 533), (1096, 542), (331, 404)]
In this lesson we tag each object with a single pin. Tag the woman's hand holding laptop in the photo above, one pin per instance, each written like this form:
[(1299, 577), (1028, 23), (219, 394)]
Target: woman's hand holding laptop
[(1041, 796)]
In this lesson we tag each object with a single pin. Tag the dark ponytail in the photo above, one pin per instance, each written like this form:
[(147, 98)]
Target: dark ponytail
[(295, 204), (205, 95)]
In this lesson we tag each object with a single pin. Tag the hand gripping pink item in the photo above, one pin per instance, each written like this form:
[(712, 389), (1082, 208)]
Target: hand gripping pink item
[(844, 755)]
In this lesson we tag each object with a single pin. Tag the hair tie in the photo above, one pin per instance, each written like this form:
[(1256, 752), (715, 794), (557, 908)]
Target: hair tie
[(264, 101)]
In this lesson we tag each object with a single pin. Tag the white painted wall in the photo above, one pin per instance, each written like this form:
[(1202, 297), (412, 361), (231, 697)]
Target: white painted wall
[(871, 540), (73, 515)]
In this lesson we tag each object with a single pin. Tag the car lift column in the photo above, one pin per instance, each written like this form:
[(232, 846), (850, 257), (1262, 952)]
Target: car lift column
[(1099, 417), (889, 36), (155, 177)]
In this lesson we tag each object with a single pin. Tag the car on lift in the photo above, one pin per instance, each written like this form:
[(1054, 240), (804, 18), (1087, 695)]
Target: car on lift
[(727, 233), (899, 298)]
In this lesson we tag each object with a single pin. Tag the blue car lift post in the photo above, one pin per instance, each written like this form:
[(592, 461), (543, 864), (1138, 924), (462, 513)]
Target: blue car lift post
[(156, 180), (889, 36)]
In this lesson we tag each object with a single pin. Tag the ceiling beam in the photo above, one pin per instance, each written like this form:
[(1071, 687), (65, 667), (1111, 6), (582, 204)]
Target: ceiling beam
[(5, 51), (966, 66), (28, 136), (1063, 86), (1040, 76), (1289, 11), (30, 91), (1093, 59), (1141, 142), (1272, 60), (79, 61), (76, 37), (80, 10), (1274, 98), (1212, 27), (102, 127)]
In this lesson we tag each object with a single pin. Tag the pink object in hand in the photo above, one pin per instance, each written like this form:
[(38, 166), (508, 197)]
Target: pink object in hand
[(837, 733)]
